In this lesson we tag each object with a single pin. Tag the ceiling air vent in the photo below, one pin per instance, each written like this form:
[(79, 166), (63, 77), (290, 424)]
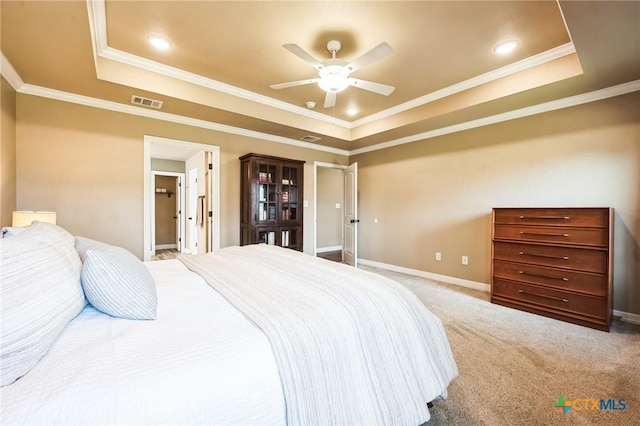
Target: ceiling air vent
[(139, 100), (310, 138)]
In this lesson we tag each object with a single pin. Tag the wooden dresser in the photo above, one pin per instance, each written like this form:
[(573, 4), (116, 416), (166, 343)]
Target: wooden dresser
[(555, 262)]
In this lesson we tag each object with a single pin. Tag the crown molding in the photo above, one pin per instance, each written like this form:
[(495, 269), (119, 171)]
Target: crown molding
[(44, 92), (597, 95), (522, 65), (14, 79), (97, 28), (189, 77), (10, 74)]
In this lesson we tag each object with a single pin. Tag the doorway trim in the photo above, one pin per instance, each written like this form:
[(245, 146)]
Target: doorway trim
[(317, 164), (175, 149)]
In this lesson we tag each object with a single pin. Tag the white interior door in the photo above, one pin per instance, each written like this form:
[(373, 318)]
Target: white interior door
[(350, 243), (192, 191), (179, 217)]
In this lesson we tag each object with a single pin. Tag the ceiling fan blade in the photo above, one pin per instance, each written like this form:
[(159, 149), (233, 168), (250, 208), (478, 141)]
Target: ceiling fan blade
[(294, 83), (302, 54), (380, 51), (381, 89), (330, 99)]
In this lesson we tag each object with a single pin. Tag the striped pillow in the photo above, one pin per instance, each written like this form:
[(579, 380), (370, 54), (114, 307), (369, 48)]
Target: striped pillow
[(116, 282), (40, 292)]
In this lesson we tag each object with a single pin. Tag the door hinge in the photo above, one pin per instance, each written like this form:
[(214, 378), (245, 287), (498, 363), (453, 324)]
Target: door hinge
[(210, 166), (210, 214)]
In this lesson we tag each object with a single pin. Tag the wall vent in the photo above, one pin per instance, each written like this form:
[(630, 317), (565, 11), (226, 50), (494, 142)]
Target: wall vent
[(310, 138), (139, 100)]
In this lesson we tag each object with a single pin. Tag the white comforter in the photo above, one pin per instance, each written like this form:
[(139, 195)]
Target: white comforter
[(200, 362), (353, 348)]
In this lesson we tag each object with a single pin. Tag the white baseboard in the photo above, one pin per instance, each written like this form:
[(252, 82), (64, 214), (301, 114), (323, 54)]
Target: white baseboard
[(624, 316), (327, 249), (627, 317), (429, 275), (165, 246)]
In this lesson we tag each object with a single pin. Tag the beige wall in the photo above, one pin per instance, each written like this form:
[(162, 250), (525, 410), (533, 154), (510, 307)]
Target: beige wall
[(162, 165), (330, 191), (7, 152), (437, 194), (87, 165)]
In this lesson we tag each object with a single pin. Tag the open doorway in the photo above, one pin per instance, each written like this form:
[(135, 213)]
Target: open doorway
[(207, 168), (167, 210), (329, 207), (335, 212)]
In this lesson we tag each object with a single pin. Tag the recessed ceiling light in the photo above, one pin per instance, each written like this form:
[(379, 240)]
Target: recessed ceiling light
[(352, 111), (159, 43), (505, 47)]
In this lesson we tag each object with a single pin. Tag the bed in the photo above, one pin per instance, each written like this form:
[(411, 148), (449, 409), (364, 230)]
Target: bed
[(220, 347)]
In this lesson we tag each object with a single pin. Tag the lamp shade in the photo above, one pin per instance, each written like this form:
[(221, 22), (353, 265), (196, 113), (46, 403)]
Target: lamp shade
[(25, 218)]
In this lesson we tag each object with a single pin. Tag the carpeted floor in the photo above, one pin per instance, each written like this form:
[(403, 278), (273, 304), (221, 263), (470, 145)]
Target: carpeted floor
[(513, 366)]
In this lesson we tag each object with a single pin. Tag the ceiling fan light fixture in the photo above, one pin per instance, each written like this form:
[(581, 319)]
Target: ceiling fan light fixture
[(333, 73), (334, 78)]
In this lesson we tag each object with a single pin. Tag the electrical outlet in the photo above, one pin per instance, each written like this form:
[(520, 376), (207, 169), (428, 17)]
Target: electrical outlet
[(465, 260), (438, 256)]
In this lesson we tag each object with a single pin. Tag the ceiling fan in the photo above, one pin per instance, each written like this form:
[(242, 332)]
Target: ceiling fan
[(334, 72)]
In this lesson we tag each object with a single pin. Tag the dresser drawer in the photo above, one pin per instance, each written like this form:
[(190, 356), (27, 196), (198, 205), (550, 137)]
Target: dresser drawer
[(593, 237), (595, 217), (558, 300), (584, 282), (580, 259)]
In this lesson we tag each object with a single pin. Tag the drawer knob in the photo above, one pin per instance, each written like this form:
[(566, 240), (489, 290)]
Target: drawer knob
[(544, 296), (543, 276)]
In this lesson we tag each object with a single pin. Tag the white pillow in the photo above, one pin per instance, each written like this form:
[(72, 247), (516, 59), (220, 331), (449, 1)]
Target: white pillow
[(8, 231), (116, 282), (40, 292)]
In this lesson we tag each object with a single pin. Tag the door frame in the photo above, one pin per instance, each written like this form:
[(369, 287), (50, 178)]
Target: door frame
[(179, 150), (317, 164), (179, 202)]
